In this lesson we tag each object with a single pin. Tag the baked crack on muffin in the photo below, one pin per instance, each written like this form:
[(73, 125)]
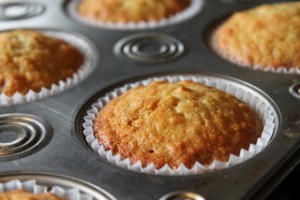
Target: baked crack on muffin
[(173, 123), (265, 36), (20, 194), (119, 11), (31, 60)]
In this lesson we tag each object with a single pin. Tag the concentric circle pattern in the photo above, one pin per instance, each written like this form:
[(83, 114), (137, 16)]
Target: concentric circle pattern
[(20, 10), (149, 48), (20, 134)]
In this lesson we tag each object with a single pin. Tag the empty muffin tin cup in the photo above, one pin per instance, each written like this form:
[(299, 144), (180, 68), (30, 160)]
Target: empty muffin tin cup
[(90, 58), (22, 134), (255, 99)]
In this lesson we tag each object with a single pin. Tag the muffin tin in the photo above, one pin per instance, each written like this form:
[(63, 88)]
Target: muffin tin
[(125, 56)]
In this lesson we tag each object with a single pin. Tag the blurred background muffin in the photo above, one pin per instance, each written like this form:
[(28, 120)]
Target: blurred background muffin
[(30, 60), (119, 11), (262, 37)]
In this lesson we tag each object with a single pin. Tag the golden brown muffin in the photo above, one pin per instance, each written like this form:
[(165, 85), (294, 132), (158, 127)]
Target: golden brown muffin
[(30, 60), (267, 35), (174, 123), (115, 11), (20, 194)]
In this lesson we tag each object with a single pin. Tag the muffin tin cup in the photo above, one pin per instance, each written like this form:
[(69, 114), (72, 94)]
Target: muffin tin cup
[(258, 103), (33, 187), (68, 188), (83, 45), (186, 14)]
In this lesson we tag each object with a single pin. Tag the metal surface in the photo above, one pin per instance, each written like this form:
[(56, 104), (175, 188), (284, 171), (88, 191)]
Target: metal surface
[(67, 154)]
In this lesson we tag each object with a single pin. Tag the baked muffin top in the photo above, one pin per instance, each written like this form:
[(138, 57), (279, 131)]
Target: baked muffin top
[(20, 194), (115, 11), (267, 35), (30, 60), (173, 123)]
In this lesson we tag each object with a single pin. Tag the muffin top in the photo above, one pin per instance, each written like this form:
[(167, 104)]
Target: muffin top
[(115, 11), (264, 36), (20, 194), (30, 60), (173, 123)]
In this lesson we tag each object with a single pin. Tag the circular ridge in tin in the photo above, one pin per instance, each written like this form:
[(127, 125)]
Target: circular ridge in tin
[(295, 90), (21, 133), (149, 47), (20, 10)]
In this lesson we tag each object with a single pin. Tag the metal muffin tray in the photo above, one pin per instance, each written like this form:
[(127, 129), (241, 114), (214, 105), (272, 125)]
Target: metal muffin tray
[(43, 139)]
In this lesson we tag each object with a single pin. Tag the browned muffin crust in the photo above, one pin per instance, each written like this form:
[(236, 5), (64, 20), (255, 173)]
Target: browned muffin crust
[(173, 123), (265, 36), (30, 60), (115, 11), (20, 194)]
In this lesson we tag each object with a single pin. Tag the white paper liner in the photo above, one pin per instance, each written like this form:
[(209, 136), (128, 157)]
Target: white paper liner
[(34, 187), (257, 103), (224, 55), (186, 14), (89, 57)]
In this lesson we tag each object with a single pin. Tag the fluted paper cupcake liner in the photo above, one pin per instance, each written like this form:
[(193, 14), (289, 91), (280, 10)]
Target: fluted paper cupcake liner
[(89, 58), (253, 99), (281, 69), (34, 187), (186, 14)]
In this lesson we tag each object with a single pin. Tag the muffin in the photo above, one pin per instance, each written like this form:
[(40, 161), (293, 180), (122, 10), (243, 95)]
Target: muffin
[(119, 11), (31, 60), (265, 36), (20, 194), (176, 123)]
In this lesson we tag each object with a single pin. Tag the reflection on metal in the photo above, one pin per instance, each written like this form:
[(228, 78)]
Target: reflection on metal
[(182, 196), (295, 90), (21, 133), (20, 10)]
